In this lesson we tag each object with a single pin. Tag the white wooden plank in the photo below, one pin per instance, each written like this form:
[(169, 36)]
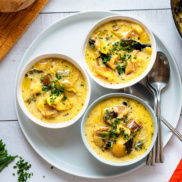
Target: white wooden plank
[(83, 5), (18, 145), (160, 21)]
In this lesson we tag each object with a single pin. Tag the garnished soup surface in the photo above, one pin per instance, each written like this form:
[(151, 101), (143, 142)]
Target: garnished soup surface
[(113, 57), (54, 90), (119, 129)]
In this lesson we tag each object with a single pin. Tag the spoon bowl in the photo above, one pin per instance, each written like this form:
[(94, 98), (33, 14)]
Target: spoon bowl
[(159, 75)]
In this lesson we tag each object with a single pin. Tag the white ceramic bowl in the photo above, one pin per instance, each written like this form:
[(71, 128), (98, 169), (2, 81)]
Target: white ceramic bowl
[(21, 102), (134, 81), (110, 96)]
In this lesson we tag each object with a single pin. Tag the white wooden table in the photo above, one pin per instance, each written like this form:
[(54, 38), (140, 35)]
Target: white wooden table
[(156, 14)]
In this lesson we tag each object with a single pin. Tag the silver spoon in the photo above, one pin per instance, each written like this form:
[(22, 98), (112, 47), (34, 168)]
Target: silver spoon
[(158, 78)]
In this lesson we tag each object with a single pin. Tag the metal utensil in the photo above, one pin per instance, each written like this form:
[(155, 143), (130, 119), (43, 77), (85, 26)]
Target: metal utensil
[(132, 44), (158, 78), (141, 91), (175, 132)]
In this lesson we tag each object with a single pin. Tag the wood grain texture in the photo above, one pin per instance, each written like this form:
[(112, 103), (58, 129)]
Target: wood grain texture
[(13, 25)]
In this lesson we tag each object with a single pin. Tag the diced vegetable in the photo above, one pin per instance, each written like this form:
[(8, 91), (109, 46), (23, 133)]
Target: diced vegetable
[(105, 73), (129, 68), (118, 149)]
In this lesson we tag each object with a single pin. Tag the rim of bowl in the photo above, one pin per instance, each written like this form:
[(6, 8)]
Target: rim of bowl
[(107, 96), (135, 80), (21, 102), (174, 19)]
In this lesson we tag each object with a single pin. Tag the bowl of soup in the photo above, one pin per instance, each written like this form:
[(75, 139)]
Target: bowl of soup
[(53, 90), (118, 52), (176, 8), (119, 129)]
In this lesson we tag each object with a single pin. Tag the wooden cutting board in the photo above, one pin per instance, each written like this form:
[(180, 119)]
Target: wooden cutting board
[(12, 25)]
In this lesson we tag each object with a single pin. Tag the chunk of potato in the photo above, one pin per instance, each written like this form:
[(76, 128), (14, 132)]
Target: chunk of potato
[(117, 33), (134, 56), (104, 72), (35, 86), (129, 67), (64, 105), (45, 110), (42, 65), (112, 61), (56, 101), (118, 149), (144, 38), (137, 28), (141, 56), (68, 85), (124, 27), (105, 46), (148, 50)]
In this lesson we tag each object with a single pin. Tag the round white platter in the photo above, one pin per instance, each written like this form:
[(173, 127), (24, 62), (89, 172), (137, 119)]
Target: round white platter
[(63, 148)]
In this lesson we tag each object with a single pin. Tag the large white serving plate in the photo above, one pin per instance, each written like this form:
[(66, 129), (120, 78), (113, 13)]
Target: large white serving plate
[(63, 148)]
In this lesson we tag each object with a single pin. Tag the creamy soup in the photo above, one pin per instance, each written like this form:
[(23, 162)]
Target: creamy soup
[(114, 54), (178, 12), (119, 129), (54, 90)]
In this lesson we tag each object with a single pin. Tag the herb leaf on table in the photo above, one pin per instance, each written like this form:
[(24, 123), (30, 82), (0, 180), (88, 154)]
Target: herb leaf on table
[(5, 159)]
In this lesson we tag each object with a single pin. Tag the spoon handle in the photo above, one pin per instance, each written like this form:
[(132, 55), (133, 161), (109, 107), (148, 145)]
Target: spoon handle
[(179, 135), (151, 156), (160, 152)]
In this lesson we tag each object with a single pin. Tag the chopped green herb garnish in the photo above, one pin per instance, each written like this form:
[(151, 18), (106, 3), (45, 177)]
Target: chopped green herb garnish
[(120, 69), (134, 57), (126, 137), (103, 135), (100, 37), (5, 159), (42, 78), (134, 134), (108, 118), (125, 133), (125, 120), (23, 167), (63, 103), (105, 57), (64, 98), (45, 102), (82, 85)]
